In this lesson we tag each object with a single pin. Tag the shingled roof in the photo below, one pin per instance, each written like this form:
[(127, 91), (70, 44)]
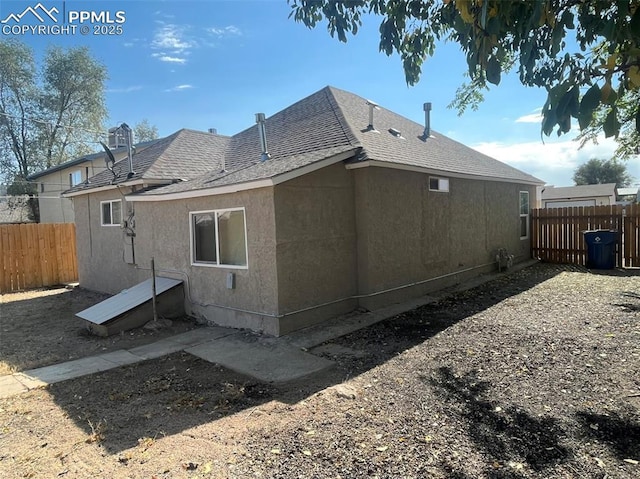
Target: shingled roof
[(330, 123), (184, 155)]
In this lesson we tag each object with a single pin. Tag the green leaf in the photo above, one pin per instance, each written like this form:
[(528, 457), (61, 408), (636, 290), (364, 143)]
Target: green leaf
[(611, 125), (493, 71), (589, 102)]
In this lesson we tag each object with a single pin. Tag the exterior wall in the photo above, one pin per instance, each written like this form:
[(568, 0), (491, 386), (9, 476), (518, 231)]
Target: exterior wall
[(163, 231), (316, 247), (409, 234), (101, 249), (54, 208)]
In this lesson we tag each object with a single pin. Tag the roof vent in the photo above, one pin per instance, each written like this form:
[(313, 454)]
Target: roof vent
[(260, 120), (427, 120), (372, 106), (213, 131), (396, 133)]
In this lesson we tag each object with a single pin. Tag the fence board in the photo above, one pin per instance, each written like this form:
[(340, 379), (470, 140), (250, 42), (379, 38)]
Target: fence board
[(558, 232), (36, 255)]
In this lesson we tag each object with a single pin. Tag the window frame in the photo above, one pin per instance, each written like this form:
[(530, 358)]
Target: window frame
[(71, 177), (217, 264), (524, 215), (440, 181), (110, 202)]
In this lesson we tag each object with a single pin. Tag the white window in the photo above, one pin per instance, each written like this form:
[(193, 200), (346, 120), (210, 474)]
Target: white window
[(438, 184), (219, 238), (524, 214), (111, 212), (75, 178)]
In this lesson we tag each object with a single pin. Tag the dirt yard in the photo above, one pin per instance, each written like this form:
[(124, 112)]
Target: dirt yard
[(534, 374)]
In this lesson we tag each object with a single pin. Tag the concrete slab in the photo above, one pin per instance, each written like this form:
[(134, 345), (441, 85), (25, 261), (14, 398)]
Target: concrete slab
[(276, 362), (69, 370), (202, 335), (10, 386), (120, 357), (157, 349)]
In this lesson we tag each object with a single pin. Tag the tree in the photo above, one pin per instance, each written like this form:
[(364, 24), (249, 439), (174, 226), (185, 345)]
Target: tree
[(583, 52), (144, 131), (596, 171), (48, 115)]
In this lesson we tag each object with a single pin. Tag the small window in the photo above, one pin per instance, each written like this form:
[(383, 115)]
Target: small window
[(111, 212), (524, 214), (75, 178), (218, 238), (438, 184)]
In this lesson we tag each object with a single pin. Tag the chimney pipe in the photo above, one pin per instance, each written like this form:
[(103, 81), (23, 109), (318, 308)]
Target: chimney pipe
[(427, 120), (372, 106), (129, 137), (260, 120)]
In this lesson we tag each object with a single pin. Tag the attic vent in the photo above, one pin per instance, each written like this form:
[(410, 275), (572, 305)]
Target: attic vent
[(396, 133), (213, 131), (372, 106)]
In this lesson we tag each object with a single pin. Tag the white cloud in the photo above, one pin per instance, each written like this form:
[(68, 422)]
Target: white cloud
[(553, 161), (172, 37), (128, 89), (229, 30), (534, 117), (180, 88), (169, 59)]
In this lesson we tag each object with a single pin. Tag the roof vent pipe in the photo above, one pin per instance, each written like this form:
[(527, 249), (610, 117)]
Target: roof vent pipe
[(372, 106), (427, 120), (129, 138), (260, 120)]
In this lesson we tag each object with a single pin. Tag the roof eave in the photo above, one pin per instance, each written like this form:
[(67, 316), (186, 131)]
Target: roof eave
[(432, 171), (247, 185)]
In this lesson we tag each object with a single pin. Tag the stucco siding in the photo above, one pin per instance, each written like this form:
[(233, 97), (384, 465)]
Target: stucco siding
[(53, 207), (101, 249), (316, 244), (164, 233), (408, 234)]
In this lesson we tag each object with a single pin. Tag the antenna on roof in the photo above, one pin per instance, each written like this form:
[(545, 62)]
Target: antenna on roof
[(372, 106)]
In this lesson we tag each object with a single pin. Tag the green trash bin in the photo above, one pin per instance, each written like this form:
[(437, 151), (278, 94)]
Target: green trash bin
[(601, 248)]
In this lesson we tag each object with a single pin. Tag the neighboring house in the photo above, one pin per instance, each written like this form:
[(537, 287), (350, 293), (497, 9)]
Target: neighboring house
[(53, 181), (583, 195), (353, 207), (628, 195)]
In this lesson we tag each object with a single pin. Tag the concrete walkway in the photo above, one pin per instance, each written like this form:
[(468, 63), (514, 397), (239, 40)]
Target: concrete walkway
[(264, 358)]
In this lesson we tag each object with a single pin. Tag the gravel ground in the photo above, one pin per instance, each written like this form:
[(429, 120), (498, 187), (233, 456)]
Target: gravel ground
[(533, 375)]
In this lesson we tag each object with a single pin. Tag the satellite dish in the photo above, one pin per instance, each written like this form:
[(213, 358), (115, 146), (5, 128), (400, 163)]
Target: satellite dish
[(109, 159)]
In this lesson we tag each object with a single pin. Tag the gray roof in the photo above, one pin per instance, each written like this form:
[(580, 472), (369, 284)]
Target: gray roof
[(90, 157), (320, 126), (581, 191), (628, 191), (184, 155)]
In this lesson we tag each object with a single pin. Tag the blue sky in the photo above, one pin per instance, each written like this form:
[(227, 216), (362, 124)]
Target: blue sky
[(213, 64)]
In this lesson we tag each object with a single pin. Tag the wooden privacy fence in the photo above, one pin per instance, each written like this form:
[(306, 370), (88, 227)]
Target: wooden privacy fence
[(557, 233), (36, 255)]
